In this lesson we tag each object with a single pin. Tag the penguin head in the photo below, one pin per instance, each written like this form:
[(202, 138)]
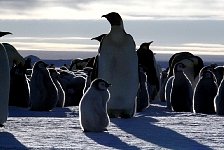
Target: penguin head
[(145, 45), (53, 72), (100, 84), (99, 38), (40, 65), (179, 67), (207, 74), (4, 33), (114, 19)]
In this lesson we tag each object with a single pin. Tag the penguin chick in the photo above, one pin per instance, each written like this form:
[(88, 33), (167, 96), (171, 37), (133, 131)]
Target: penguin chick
[(181, 92), (43, 92), (93, 115), (204, 93)]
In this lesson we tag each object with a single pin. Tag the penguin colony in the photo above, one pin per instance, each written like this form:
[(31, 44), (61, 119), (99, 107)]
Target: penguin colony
[(186, 85)]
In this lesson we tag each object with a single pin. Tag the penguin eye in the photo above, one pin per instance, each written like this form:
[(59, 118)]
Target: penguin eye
[(41, 65), (102, 85)]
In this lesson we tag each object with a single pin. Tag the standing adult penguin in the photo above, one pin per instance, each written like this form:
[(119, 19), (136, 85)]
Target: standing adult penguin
[(204, 93), (147, 60), (118, 64), (94, 73), (93, 107), (181, 92), (43, 92), (4, 85)]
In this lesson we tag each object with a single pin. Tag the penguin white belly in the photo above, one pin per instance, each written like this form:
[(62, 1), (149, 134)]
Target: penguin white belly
[(119, 66), (4, 84)]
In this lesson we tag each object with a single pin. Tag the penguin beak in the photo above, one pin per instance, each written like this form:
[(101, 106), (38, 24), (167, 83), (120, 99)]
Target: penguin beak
[(93, 38), (108, 85), (45, 65), (105, 16), (150, 42)]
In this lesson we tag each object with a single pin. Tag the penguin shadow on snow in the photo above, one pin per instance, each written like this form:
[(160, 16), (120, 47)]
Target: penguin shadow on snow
[(143, 127), (109, 140), (55, 113), (8, 141)]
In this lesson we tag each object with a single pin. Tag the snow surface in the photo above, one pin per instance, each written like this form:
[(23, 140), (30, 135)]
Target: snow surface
[(154, 128)]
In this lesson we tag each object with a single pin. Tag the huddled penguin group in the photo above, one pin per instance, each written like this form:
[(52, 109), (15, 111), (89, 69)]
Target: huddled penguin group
[(120, 81)]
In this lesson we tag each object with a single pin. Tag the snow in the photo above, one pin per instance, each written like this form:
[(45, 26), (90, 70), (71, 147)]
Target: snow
[(154, 128)]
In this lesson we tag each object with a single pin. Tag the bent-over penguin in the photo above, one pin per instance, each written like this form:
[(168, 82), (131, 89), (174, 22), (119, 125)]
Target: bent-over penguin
[(43, 92)]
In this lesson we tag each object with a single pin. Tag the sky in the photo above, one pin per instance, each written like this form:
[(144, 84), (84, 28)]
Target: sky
[(55, 25)]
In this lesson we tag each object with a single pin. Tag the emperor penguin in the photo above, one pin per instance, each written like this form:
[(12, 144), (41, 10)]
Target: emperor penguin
[(168, 88), (4, 85), (188, 71), (61, 93), (143, 95), (13, 55), (88, 71), (43, 92), (118, 64), (93, 115), (3, 33), (181, 92), (175, 58), (19, 94), (219, 99), (147, 60), (219, 72), (94, 73), (204, 93), (99, 38)]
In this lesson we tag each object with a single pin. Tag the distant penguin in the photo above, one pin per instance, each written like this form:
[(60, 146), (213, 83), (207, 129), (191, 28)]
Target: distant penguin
[(88, 71), (93, 107), (219, 72), (143, 95), (99, 38), (73, 86), (147, 60), (204, 93), (188, 71), (219, 99), (4, 85), (43, 92), (4, 33), (175, 58), (118, 64), (61, 93), (13, 55), (19, 87), (181, 93), (168, 88)]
